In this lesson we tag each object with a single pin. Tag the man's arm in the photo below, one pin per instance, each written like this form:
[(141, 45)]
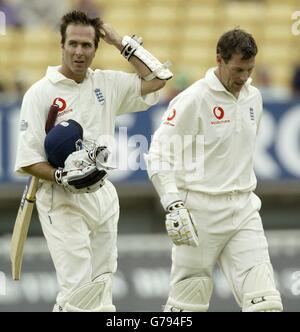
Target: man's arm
[(76, 178), (41, 170), (168, 154), (111, 37)]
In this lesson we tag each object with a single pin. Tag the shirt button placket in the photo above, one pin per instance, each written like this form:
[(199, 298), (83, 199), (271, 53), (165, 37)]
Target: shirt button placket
[(82, 105), (238, 119)]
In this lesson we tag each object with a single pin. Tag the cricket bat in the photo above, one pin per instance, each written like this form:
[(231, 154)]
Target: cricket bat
[(25, 211), (21, 226)]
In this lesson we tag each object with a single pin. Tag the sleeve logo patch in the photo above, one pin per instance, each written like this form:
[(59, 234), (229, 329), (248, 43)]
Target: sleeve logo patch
[(23, 125)]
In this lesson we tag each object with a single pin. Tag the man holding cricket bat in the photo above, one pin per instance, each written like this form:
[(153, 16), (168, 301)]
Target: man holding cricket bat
[(78, 207)]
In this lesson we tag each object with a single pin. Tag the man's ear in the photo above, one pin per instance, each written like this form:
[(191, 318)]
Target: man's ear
[(219, 59)]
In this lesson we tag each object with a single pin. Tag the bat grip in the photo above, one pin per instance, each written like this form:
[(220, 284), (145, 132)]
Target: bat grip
[(52, 115)]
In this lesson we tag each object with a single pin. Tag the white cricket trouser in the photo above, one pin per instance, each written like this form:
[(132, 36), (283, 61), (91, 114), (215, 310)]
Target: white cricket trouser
[(81, 233), (230, 234)]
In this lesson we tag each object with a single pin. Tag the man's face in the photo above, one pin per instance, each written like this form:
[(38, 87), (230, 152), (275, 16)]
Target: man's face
[(235, 72), (78, 51)]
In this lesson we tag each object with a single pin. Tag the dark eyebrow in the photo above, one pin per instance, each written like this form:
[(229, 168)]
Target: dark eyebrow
[(237, 67), (83, 43)]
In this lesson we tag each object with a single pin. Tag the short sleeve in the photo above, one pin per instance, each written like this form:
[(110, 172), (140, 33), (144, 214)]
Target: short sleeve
[(127, 90), (30, 149)]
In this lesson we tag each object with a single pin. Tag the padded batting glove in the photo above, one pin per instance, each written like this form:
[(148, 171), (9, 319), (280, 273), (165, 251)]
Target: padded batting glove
[(80, 174), (80, 181), (99, 155), (180, 225)]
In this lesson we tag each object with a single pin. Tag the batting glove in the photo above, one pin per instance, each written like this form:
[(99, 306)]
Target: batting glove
[(99, 155), (80, 181), (80, 174), (180, 225)]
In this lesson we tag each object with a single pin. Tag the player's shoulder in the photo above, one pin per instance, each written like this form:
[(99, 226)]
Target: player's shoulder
[(38, 88), (254, 91), (194, 92), (109, 73)]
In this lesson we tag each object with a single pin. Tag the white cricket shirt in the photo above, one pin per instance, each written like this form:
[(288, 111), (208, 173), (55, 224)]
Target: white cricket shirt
[(220, 133), (94, 103)]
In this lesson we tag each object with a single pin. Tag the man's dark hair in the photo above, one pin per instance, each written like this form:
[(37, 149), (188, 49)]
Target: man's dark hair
[(80, 18), (236, 41)]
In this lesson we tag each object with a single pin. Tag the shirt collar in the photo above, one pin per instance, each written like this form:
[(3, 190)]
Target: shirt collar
[(55, 76), (215, 84)]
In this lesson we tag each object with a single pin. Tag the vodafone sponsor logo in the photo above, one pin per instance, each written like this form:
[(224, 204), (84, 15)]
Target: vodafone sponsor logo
[(62, 104), (219, 113), (171, 116)]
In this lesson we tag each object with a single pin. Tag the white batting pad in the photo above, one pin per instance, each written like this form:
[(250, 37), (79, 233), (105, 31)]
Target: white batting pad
[(95, 296), (267, 300), (191, 294)]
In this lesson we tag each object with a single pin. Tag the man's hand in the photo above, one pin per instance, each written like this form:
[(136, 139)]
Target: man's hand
[(80, 174), (99, 155), (80, 181), (110, 35), (180, 225)]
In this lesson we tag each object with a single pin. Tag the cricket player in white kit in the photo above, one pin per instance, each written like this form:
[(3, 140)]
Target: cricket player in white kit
[(80, 226), (206, 180)]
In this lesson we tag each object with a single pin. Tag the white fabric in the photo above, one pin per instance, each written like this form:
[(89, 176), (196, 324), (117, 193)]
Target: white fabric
[(231, 234), (94, 103), (163, 182), (192, 294), (199, 164), (168, 199), (81, 234), (266, 297)]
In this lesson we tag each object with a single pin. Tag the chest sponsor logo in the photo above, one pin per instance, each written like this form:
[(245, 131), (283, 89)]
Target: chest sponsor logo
[(99, 96), (171, 116), (219, 113), (62, 104)]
